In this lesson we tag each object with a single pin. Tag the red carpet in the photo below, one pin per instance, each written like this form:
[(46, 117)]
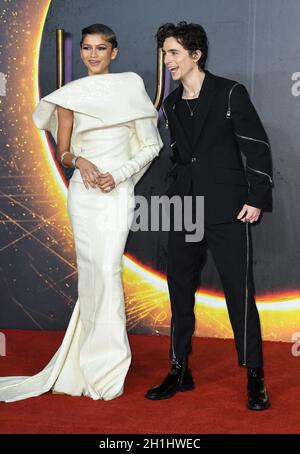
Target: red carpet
[(217, 405)]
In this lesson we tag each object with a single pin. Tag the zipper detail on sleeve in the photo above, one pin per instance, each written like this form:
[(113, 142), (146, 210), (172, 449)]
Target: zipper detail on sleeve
[(261, 172), (165, 115), (254, 140), (228, 114)]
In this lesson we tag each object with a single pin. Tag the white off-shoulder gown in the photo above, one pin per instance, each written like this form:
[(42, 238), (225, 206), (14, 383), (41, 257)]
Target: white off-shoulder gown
[(115, 128)]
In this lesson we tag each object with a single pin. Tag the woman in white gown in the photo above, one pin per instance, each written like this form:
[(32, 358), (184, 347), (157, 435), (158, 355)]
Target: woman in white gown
[(105, 126)]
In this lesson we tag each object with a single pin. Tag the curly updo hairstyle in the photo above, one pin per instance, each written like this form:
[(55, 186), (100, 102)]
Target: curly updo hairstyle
[(191, 36)]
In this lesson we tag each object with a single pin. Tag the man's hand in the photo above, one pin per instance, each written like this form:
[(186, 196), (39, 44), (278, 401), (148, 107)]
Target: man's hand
[(249, 214), (106, 182)]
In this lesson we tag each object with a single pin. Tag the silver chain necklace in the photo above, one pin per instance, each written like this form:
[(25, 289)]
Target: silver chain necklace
[(195, 107), (192, 110)]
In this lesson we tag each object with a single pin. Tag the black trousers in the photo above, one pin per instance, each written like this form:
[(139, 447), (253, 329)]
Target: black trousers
[(231, 248)]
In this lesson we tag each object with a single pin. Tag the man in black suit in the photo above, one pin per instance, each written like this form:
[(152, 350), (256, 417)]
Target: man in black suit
[(211, 121)]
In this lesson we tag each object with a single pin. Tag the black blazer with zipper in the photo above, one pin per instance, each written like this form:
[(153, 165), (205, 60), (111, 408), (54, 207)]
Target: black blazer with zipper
[(226, 125)]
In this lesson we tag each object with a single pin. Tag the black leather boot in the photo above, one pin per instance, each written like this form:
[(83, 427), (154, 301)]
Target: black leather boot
[(179, 379), (257, 393)]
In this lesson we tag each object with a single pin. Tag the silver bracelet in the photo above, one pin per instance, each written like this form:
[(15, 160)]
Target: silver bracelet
[(63, 155)]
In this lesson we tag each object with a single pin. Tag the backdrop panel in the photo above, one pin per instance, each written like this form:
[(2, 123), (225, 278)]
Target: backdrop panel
[(255, 42)]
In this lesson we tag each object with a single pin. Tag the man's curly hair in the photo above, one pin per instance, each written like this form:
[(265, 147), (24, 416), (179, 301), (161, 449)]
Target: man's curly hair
[(191, 36)]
